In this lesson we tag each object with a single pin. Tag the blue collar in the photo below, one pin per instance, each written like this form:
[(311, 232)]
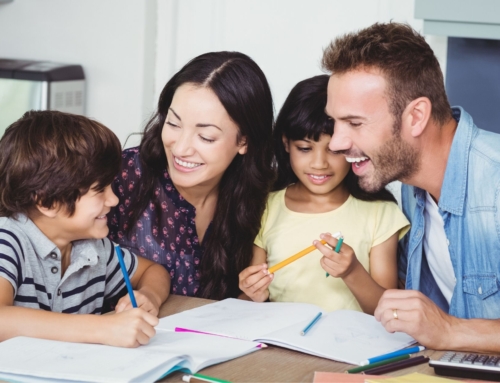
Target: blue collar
[(454, 188)]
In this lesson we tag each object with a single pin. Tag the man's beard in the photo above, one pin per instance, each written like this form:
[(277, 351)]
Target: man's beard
[(395, 160)]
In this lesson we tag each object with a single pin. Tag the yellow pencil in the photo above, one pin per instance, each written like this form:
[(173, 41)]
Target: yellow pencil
[(287, 261)]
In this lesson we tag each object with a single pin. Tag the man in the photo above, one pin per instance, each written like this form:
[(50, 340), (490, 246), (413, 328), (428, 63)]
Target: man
[(393, 122)]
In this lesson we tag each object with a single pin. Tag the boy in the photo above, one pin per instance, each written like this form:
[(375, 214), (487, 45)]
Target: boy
[(55, 175)]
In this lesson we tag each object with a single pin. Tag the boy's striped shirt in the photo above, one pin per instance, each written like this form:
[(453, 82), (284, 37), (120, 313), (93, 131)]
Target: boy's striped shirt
[(32, 264)]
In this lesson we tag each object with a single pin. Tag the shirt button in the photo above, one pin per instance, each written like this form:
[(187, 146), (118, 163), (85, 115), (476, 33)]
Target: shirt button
[(54, 270), (53, 255), (59, 292), (447, 241)]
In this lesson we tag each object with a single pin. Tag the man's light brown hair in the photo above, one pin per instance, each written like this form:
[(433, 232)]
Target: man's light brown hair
[(404, 58), (52, 158)]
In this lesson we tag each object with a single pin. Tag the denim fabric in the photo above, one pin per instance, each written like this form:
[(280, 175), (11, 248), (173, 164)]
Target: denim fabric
[(470, 207)]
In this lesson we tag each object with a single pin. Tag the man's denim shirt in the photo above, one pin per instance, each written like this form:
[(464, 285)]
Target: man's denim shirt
[(470, 207)]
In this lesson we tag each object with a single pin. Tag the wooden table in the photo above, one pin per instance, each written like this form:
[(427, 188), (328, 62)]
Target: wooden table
[(272, 364)]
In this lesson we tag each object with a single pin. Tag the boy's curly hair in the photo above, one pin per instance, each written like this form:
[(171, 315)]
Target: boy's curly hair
[(51, 159)]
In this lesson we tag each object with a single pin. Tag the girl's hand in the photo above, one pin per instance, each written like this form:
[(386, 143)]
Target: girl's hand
[(340, 264), (144, 301), (254, 282)]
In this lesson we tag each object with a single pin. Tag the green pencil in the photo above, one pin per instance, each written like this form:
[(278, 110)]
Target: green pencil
[(203, 378), (355, 370), (337, 249)]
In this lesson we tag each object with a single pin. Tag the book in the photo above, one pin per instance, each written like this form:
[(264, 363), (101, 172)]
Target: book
[(24, 359), (344, 335)]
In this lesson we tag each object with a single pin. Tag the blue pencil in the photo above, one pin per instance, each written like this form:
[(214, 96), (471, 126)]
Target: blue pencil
[(308, 327), (337, 248), (119, 254), (404, 351)]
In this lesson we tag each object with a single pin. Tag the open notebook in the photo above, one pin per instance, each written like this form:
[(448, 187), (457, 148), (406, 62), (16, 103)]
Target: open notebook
[(344, 335), (25, 359)]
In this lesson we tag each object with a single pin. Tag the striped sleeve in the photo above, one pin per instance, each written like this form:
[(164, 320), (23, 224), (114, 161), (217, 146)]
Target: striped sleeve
[(11, 259), (114, 276)]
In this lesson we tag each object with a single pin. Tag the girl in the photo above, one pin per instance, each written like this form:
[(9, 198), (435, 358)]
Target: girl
[(193, 193), (321, 194)]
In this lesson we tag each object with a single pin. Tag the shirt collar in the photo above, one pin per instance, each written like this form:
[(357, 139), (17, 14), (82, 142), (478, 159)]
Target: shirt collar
[(453, 190), (39, 241), (83, 252)]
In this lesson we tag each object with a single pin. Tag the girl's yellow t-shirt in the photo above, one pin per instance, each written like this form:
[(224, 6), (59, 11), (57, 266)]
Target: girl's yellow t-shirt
[(284, 233)]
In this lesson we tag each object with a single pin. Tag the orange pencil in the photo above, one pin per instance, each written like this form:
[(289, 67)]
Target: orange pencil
[(287, 261)]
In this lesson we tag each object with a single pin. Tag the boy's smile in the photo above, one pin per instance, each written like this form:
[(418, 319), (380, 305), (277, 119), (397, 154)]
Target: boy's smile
[(88, 221)]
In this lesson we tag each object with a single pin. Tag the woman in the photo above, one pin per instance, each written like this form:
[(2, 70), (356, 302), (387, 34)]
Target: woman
[(192, 194)]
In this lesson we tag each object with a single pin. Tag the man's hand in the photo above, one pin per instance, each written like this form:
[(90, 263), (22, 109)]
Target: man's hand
[(412, 312)]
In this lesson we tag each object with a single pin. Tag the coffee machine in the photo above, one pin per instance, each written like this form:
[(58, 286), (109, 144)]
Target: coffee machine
[(39, 85)]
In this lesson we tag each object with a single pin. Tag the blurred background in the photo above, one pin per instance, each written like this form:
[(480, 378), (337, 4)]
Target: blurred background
[(128, 49)]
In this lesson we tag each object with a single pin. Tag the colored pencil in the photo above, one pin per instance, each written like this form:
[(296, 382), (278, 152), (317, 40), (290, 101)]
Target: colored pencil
[(119, 254), (309, 326), (355, 370), (287, 261), (397, 365), (337, 248), (404, 351), (202, 378)]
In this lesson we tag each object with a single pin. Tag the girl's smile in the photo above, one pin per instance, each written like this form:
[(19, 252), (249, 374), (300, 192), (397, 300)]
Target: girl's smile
[(319, 179)]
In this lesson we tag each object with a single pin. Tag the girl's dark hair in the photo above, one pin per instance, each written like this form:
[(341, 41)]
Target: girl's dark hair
[(303, 116), (49, 158), (243, 90)]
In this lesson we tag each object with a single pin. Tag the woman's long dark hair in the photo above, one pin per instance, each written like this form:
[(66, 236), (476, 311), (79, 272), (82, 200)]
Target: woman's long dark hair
[(303, 116), (244, 92)]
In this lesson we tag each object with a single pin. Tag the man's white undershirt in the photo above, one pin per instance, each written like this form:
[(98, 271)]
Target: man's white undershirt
[(436, 249)]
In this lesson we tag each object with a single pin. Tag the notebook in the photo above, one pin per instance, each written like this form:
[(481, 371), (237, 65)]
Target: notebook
[(24, 359), (343, 335)]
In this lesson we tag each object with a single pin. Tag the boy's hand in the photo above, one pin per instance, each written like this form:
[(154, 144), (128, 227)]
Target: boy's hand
[(254, 282), (129, 328), (144, 300), (339, 264)]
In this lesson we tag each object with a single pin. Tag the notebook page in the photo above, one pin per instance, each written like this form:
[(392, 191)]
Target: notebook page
[(241, 319), (343, 335), (30, 359)]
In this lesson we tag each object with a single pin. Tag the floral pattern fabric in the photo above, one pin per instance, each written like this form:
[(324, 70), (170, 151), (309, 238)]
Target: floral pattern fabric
[(167, 235)]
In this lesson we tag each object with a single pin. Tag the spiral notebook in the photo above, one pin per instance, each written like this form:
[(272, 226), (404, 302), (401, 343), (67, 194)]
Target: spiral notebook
[(343, 335)]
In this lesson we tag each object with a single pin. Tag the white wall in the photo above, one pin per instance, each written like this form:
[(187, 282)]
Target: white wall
[(285, 37), (130, 48), (108, 38)]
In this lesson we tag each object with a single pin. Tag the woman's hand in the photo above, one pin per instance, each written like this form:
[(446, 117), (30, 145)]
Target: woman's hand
[(255, 281)]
